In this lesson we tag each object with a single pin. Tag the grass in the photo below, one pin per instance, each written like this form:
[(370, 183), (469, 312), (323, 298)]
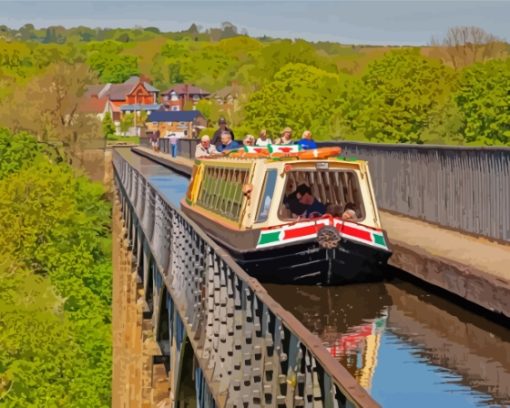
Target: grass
[(127, 139)]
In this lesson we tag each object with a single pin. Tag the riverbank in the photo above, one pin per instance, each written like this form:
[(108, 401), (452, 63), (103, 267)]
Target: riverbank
[(475, 269)]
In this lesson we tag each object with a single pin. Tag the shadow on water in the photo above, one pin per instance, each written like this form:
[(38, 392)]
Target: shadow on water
[(404, 344)]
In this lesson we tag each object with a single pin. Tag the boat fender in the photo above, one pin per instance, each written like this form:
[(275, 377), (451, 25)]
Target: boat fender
[(328, 237)]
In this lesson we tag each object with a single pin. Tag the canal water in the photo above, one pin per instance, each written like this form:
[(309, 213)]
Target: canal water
[(405, 346)]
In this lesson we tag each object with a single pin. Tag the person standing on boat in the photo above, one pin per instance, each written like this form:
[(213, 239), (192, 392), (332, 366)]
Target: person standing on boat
[(285, 138), (205, 148), (227, 143), (305, 197), (263, 140), (222, 123), (306, 141)]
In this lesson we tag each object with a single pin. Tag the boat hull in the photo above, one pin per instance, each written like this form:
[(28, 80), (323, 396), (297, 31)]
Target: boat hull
[(303, 263), (309, 264)]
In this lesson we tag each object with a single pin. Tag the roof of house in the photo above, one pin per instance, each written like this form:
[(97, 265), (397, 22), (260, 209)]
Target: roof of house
[(134, 81), (224, 92), (182, 89), (140, 107), (91, 104), (117, 92), (173, 116)]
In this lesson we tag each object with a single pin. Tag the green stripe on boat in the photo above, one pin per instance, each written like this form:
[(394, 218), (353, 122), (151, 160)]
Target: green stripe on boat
[(379, 239), (269, 237)]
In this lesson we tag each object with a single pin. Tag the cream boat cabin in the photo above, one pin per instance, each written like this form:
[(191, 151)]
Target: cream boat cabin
[(254, 207)]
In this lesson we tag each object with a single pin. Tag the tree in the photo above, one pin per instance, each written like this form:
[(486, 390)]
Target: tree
[(127, 122), (483, 98), (108, 126), (465, 45), (394, 100), (48, 108), (300, 96), (55, 345)]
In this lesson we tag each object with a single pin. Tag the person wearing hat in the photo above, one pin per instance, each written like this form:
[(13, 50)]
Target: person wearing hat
[(285, 138), (216, 139)]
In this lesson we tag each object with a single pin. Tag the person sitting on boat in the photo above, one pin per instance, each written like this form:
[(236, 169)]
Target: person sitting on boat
[(227, 143), (263, 140), (349, 213), (306, 141), (314, 207), (249, 140), (205, 148), (335, 210), (285, 138)]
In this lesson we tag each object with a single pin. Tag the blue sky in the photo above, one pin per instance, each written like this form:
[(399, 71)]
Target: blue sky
[(359, 22)]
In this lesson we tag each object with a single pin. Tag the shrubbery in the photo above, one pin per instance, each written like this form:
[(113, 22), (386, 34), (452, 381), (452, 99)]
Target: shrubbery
[(55, 282)]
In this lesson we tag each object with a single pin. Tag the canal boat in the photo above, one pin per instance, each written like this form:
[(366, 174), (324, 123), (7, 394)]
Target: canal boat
[(257, 203)]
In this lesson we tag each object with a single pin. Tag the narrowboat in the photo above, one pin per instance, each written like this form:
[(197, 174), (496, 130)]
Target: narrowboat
[(291, 216)]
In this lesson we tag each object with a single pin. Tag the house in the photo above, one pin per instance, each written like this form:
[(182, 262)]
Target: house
[(178, 96), (182, 123), (93, 105), (134, 92), (228, 97)]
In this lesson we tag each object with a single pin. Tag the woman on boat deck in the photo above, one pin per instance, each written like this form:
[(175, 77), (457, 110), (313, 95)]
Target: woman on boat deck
[(285, 138), (263, 140), (249, 140)]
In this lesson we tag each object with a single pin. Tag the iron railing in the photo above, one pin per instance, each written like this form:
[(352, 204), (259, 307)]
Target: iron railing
[(251, 351), (464, 188)]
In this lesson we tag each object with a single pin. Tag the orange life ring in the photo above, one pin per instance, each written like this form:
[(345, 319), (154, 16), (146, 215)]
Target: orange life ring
[(320, 153)]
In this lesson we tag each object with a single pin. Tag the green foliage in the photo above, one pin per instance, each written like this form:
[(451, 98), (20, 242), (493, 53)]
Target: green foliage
[(395, 99), (55, 283), (483, 97), (108, 126), (17, 152), (300, 96)]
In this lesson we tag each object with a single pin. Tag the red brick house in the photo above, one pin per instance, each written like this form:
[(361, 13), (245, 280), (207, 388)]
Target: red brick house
[(179, 95), (133, 92)]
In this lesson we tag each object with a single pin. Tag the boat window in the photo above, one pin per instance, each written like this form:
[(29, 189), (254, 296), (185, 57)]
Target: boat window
[(222, 191), (267, 195), (338, 190)]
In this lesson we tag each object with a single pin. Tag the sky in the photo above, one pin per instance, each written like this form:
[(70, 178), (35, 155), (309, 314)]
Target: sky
[(377, 22)]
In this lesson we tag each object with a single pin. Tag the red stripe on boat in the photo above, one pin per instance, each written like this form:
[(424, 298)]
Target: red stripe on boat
[(354, 232), (300, 232)]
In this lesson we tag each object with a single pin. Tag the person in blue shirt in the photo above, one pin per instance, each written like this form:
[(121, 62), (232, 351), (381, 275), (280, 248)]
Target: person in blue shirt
[(314, 208), (306, 141), (227, 143)]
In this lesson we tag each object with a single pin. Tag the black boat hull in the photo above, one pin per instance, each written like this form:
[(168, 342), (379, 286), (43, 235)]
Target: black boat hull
[(309, 264)]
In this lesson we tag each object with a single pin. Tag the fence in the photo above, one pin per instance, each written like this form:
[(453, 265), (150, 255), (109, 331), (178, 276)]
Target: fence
[(185, 147), (458, 187), (250, 350), (464, 188)]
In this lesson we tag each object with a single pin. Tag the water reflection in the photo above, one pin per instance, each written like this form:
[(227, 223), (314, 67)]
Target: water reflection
[(401, 342)]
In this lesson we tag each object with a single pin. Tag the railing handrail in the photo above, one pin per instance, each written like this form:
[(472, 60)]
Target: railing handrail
[(338, 373)]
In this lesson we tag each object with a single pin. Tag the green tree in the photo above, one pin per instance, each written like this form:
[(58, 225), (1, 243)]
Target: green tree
[(55, 282), (127, 121), (395, 99), (300, 96), (108, 126), (483, 98)]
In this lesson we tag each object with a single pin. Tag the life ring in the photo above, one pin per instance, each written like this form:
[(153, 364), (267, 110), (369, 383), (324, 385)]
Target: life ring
[(320, 153)]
